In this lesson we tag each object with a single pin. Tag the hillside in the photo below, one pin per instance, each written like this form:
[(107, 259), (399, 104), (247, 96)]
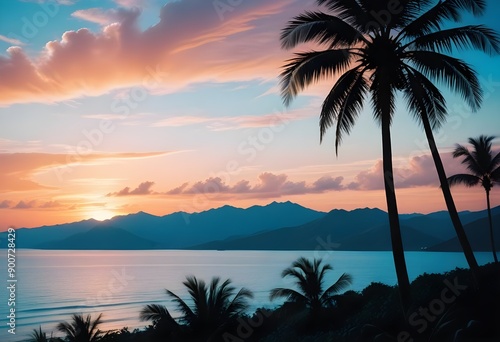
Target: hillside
[(101, 238), (360, 229), (478, 234)]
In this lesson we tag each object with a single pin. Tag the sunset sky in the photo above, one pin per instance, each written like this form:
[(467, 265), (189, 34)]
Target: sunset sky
[(113, 107)]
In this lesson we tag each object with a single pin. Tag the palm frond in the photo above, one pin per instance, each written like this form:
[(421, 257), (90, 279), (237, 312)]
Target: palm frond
[(154, 312), (38, 335), (343, 105), (188, 314), (341, 284), (464, 179), (309, 67), (81, 328), (495, 175), (287, 294), (478, 37), (67, 329), (495, 161), (94, 326), (433, 18), (482, 152), (469, 161), (350, 11), (239, 302), (424, 98), (456, 74), (320, 28)]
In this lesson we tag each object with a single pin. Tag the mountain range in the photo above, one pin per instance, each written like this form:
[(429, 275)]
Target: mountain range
[(276, 226)]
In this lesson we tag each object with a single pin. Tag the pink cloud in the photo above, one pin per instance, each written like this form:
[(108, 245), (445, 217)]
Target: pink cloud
[(419, 172), (189, 44), (50, 204), (142, 189), (32, 204), (25, 205), (5, 204), (178, 190), (268, 185)]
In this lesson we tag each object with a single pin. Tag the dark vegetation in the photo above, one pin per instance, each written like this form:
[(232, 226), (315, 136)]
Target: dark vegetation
[(445, 307)]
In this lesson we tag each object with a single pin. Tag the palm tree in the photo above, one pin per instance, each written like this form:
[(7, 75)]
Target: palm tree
[(39, 335), (309, 278), (375, 56), (82, 329), (212, 310), (485, 170)]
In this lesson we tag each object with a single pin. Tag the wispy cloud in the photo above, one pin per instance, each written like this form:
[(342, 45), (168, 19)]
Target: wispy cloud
[(12, 41), (18, 168), (99, 16), (7, 145), (237, 122)]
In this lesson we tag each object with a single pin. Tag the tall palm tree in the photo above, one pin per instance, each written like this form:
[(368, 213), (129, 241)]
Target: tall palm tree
[(215, 306), (309, 278), (82, 329), (484, 170), (377, 56)]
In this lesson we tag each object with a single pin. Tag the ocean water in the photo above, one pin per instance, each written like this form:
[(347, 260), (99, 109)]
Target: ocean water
[(52, 285)]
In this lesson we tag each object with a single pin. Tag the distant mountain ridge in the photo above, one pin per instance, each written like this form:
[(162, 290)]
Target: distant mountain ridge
[(178, 230), (356, 230), (276, 226)]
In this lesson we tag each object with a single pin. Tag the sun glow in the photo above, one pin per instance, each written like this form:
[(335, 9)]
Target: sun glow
[(101, 215)]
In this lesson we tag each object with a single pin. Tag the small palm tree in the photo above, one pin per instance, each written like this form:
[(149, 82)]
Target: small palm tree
[(82, 329), (309, 277), (39, 335), (484, 170), (215, 306)]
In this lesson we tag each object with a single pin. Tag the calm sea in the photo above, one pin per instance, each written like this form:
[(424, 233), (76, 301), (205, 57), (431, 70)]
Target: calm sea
[(52, 285)]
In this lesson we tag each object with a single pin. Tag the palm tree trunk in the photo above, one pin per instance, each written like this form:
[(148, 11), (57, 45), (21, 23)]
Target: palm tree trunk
[(492, 238), (450, 204), (392, 209)]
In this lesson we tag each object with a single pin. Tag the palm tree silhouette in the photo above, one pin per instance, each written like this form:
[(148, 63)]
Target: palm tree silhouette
[(212, 310), (377, 57), (309, 278), (40, 336), (485, 170), (82, 329)]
